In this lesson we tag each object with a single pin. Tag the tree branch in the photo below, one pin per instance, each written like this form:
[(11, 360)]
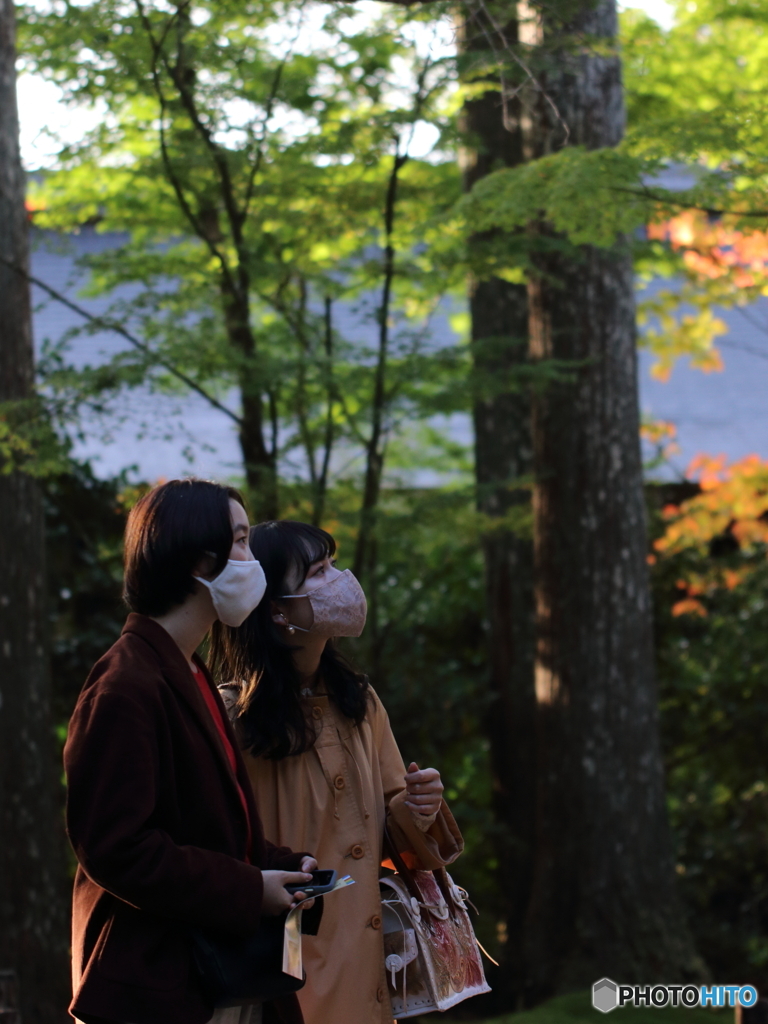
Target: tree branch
[(234, 216), (274, 419), (480, 12), (173, 178), (301, 384), (328, 440), (711, 211), (375, 448), (374, 457), (116, 328), (268, 109)]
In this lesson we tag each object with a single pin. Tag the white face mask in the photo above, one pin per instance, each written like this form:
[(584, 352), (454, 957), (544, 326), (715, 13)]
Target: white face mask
[(339, 607), (237, 590)]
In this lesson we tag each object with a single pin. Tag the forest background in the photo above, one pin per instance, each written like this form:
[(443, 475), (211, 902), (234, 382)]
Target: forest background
[(271, 164)]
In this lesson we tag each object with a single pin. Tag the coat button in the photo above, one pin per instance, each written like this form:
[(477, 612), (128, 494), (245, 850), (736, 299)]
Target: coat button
[(357, 852), (380, 994), (339, 782), (375, 921), (317, 712)]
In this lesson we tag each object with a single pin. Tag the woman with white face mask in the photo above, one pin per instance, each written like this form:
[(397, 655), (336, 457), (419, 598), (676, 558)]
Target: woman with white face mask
[(159, 808), (325, 768)]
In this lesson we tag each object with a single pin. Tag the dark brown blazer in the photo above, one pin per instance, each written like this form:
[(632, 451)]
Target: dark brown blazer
[(156, 821)]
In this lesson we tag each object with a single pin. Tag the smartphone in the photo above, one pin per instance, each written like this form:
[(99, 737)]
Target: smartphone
[(322, 881)]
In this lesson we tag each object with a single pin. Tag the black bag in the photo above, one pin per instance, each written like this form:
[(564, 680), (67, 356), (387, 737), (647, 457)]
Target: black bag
[(235, 972)]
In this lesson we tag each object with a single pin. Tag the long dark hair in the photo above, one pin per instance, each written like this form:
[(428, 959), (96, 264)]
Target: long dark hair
[(254, 655)]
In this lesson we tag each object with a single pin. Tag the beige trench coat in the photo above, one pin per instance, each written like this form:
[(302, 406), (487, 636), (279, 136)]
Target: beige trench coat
[(334, 800)]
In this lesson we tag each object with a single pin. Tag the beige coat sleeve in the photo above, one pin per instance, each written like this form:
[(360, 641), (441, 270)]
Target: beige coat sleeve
[(431, 841)]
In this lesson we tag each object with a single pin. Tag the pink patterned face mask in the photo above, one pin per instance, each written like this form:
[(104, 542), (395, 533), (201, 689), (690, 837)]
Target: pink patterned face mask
[(339, 607)]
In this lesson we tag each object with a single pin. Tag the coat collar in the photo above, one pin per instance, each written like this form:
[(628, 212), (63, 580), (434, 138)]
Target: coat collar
[(177, 673)]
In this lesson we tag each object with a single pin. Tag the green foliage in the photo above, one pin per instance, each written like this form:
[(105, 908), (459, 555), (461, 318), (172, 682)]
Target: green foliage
[(696, 93), (713, 676), (28, 441), (591, 196), (696, 96), (670, 334), (247, 151), (85, 519)]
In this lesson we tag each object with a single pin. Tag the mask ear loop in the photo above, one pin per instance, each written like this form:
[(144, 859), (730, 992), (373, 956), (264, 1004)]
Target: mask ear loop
[(291, 628)]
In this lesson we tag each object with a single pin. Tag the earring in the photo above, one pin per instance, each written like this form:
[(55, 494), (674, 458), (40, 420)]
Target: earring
[(291, 630)]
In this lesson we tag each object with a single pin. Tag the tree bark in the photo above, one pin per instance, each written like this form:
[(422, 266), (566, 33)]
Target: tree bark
[(259, 461), (33, 925), (501, 413), (604, 900)]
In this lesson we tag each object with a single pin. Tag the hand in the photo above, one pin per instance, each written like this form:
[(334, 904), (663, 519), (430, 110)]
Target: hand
[(424, 790), (309, 864), (277, 899)]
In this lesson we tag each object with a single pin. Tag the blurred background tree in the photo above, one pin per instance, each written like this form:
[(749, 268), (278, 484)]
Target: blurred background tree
[(33, 894)]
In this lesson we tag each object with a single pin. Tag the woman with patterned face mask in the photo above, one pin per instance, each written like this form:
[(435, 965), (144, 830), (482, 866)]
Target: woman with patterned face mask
[(325, 768)]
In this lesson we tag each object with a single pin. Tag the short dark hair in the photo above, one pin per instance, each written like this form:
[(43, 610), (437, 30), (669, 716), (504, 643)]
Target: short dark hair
[(255, 655), (170, 529)]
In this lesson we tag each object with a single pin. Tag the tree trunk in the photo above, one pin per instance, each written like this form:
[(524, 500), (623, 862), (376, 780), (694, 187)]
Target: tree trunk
[(501, 412), (260, 463), (33, 924), (365, 560), (604, 900), (503, 454)]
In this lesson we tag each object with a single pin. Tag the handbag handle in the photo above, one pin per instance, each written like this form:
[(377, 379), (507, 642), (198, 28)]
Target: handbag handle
[(401, 867), (407, 875)]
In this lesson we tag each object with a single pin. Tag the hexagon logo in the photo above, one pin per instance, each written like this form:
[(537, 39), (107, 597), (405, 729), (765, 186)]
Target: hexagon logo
[(605, 995)]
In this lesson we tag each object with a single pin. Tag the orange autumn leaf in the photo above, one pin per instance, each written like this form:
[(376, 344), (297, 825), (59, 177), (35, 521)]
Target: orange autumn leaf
[(689, 606), (733, 577)]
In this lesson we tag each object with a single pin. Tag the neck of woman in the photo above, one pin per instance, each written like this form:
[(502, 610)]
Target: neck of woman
[(306, 660), (189, 623)]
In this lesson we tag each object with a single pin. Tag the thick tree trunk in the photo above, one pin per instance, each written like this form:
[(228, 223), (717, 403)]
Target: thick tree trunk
[(33, 917), (501, 412), (604, 899)]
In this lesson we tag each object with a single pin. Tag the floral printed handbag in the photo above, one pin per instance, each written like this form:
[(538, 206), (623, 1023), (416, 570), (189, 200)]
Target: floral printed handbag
[(431, 955)]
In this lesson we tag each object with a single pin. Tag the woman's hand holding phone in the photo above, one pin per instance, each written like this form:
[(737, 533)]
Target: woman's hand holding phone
[(276, 899)]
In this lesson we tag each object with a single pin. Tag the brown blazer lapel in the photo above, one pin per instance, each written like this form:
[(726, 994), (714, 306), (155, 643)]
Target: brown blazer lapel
[(240, 777), (177, 673)]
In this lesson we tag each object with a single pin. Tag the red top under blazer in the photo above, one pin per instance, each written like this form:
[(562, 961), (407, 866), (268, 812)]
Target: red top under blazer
[(160, 832)]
